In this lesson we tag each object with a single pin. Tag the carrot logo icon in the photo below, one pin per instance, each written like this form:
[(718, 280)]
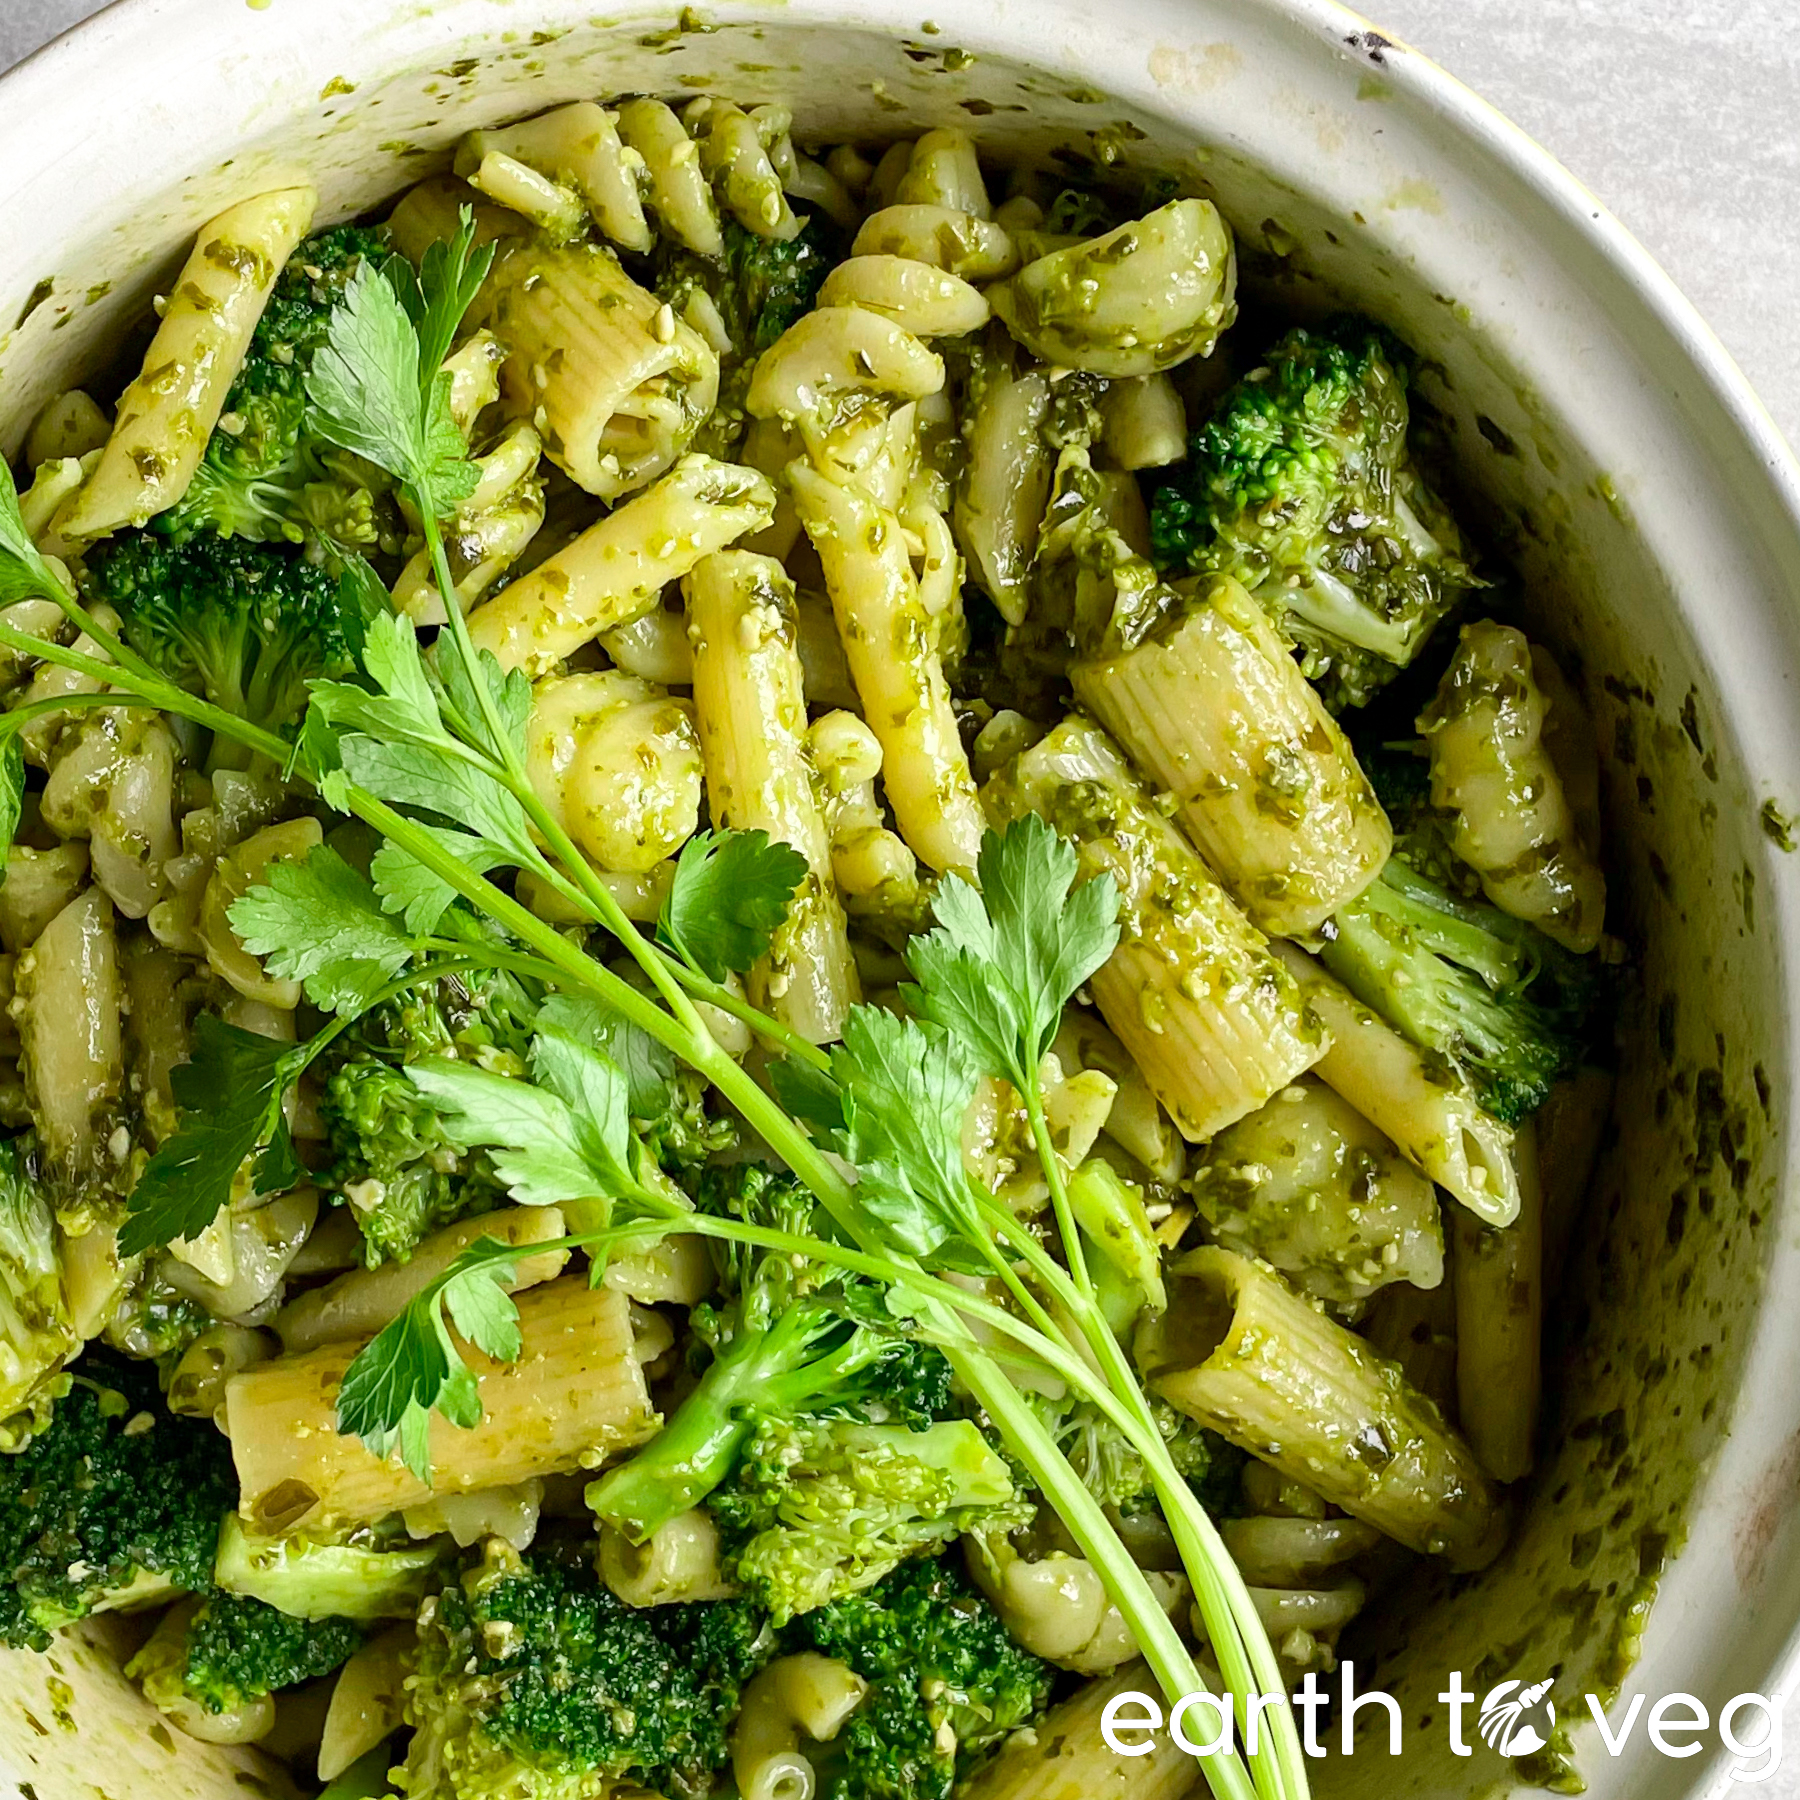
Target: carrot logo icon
[(1517, 1720)]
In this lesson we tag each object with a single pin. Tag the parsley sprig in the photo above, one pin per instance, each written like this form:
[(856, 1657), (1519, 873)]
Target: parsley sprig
[(429, 751)]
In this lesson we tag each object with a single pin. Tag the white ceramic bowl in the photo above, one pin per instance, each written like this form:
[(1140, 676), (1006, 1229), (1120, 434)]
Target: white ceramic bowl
[(1653, 512)]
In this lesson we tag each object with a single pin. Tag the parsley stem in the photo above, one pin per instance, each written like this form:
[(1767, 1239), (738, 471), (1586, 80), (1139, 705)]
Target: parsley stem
[(150, 689), (1073, 1247), (1156, 1635), (1236, 1634)]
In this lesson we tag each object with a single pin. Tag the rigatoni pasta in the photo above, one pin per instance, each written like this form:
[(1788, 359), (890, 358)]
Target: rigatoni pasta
[(1193, 991)]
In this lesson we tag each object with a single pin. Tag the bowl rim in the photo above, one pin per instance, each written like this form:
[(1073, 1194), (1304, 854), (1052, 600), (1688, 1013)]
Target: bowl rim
[(41, 82)]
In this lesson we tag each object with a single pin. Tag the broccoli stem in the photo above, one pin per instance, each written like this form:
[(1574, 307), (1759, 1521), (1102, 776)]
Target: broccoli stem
[(695, 1451)]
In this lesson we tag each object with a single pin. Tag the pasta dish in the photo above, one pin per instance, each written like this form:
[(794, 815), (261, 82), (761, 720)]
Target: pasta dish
[(799, 971)]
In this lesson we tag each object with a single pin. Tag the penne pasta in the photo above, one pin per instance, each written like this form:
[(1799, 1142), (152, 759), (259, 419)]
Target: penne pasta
[(749, 691), (1215, 711), (612, 381), (166, 416), (1418, 1100), (615, 571)]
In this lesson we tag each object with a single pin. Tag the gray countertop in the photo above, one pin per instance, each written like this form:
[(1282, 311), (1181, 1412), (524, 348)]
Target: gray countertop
[(1683, 116)]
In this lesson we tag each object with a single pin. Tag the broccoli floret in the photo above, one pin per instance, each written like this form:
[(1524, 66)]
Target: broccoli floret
[(1301, 485), (116, 1499), (266, 474), (1489, 993), (531, 1680), (391, 1159), (945, 1681), (37, 1334), (788, 1339), (816, 1509), (237, 1649), (247, 625), (1114, 1473)]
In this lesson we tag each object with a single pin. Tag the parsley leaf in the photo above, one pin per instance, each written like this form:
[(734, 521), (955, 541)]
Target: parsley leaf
[(437, 299), (12, 793), (230, 1093), (372, 395), (548, 1151), (417, 775), (403, 708), (511, 694), (649, 1067), (904, 1088), (415, 1367), (420, 895), (732, 889), (1005, 960), (319, 922)]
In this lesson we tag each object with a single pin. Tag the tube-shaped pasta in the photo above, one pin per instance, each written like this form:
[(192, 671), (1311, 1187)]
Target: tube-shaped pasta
[(750, 694), (430, 213), (654, 648), (66, 1004), (1419, 1100), (1209, 1016), (357, 1304), (575, 1395), (617, 760), (1491, 769), (615, 383), (676, 192), (615, 571), (1310, 1186), (677, 1562), (1416, 1328), (927, 301), (1135, 301), (168, 413), (554, 209), (948, 238), (1240, 1352), (578, 147), (1145, 422), (1267, 786), (807, 1693), (1005, 488), (368, 1702), (892, 650), (38, 885), (1067, 1758), (1499, 1281), (69, 424), (1574, 750)]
